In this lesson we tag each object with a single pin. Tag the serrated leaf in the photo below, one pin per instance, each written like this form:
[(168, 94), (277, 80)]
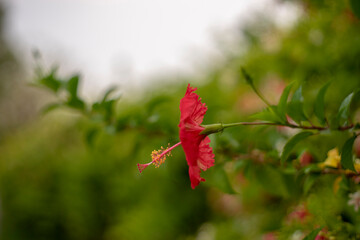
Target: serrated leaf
[(292, 143), (283, 101), (319, 108), (312, 235), (355, 7), (347, 154), (295, 107), (72, 85)]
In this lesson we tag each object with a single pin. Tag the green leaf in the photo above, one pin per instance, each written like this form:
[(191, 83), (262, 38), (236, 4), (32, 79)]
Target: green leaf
[(250, 81), (345, 106), (319, 108), (344, 109), (312, 235), (292, 143), (90, 136), (347, 154), (72, 85), (355, 6), (309, 182), (108, 92), (295, 107), (96, 106), (312, 168), (247, 78), (108, 107), (344, 184), (269, 115), (272, 180), (50, 81), (75, 102), (283, 101)]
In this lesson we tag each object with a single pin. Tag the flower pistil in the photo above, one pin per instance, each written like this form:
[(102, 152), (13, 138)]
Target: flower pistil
[(158, 157)]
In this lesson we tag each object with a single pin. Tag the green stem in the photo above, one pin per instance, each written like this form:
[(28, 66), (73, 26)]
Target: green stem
[(261, 97), (248, 123), (219, 127), (250, 81)]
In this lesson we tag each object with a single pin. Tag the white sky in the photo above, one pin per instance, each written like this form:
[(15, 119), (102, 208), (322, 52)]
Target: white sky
[(125, 41)]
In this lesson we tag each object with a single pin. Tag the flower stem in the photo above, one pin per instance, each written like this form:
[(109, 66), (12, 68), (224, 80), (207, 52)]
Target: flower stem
[(250, 81), (227, 125), (278, 124), (218, 127)]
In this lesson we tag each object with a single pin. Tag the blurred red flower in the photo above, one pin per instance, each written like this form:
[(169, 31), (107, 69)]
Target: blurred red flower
[(199, 154), (300, 213), (270, 236)]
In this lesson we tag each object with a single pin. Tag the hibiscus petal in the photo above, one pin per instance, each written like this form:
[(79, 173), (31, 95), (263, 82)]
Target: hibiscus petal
[(190, 141), (195, 179), (206, 155), (199, 154), (191, 107)]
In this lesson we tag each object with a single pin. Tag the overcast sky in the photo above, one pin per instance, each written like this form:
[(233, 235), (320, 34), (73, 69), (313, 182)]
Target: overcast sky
[(117, 41)]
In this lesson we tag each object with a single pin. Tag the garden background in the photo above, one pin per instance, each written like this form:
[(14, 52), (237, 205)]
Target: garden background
[(70, 173)]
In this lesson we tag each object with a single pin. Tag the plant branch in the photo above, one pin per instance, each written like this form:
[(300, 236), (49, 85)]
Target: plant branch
[(313, 127)]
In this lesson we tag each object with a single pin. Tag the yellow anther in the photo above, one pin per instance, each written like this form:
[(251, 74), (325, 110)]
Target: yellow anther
[(159, 156)]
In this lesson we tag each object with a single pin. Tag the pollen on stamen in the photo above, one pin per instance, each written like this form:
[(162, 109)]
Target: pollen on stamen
[(159, 156)]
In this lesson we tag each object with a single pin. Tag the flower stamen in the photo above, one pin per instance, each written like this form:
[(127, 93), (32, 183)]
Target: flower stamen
[(158, 157)]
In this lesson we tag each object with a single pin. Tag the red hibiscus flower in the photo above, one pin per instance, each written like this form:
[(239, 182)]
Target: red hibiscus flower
[(199, 154)]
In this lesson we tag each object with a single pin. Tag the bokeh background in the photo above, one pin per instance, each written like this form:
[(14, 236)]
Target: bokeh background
[(67, 175)]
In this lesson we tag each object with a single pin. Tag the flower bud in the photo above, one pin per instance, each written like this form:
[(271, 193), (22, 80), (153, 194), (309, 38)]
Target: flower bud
[(305, 159), (357, 147)]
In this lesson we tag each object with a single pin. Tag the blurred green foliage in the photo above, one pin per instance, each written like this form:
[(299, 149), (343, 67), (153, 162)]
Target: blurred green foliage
[(71, 174)]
